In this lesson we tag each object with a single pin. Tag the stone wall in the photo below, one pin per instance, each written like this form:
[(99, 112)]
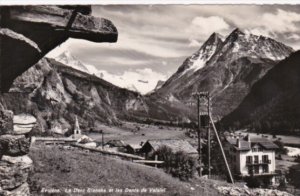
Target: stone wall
[(15, 164)]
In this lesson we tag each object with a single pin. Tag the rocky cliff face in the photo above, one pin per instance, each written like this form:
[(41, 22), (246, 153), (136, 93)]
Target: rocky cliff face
[(55, 93), (227, 69)]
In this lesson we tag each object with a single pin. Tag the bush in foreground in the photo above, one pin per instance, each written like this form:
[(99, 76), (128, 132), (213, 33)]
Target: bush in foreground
[(178, 164)]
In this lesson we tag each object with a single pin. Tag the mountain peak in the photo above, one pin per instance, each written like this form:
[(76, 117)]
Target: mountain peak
[(237, 31), (235, 34), (214, 35), (65, 56), (199, 58), (68, 59), (213, 38)]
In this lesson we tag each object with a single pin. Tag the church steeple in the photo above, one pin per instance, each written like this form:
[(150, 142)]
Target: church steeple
[(77, 131)]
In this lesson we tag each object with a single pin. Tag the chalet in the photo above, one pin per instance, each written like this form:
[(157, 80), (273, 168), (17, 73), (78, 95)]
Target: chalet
[(133, 148), (150, 146), (116, 145), (252, 157)]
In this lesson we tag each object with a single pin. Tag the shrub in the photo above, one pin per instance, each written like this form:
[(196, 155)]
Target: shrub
[(281, 149), (252, 182), (165, 154), (184, 166), (178, 164)]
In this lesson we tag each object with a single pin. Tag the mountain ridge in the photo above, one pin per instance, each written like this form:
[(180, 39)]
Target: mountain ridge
[(55, 93), (272, 104), (227, 69)]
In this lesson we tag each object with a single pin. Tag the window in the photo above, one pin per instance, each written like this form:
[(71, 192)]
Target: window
[(254, 149), (256, 169), (265, 159), (250, 171), (256, 159), (248, 159), (265, 168)]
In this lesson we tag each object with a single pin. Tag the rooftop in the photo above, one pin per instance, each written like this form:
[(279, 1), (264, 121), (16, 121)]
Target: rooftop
[(116, 143), (244, 144), (175, 144)]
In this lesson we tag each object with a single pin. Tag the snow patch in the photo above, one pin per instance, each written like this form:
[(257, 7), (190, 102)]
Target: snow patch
[(198, 63)]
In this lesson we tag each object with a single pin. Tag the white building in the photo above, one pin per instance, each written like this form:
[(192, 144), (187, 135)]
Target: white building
[(76, 131), (252, 157)]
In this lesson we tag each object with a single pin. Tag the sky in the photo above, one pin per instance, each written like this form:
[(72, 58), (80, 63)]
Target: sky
[(154, 40)]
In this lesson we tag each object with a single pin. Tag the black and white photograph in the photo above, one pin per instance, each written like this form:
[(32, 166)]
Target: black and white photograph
[(158, 99)]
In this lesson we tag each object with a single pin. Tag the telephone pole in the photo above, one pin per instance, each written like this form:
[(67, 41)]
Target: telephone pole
[(199, 136), (206, 96), (208, 135), (199, 96)]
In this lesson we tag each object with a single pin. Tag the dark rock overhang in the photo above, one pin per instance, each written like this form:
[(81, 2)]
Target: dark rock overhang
[(28, 33)]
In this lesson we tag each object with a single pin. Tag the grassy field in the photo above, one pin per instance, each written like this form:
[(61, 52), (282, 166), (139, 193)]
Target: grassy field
[(61, 170), (285, 163), (134, 133), (293, 140)]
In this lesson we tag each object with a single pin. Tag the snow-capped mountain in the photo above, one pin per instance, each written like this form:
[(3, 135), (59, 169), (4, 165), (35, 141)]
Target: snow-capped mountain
[(135, 80), (226, 69), (68, 59), (199, 59)]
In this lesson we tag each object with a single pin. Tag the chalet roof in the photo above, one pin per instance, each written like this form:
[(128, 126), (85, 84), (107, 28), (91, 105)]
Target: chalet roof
[(244, 144), (175, 144), (264, 143), (134, 146), (116, 143)]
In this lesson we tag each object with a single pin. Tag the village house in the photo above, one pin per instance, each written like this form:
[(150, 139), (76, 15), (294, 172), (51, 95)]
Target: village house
[(252, 157), (133, 148), (151, 146), (116, 145)]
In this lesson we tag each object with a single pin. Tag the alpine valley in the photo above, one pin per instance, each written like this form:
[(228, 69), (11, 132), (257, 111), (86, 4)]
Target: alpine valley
[(226, 68)]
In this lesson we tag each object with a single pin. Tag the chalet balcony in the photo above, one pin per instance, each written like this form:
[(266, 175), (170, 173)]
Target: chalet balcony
[(266, 161), (261, 162)]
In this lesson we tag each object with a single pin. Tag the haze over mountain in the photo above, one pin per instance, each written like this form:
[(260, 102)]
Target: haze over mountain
[(225, 68)]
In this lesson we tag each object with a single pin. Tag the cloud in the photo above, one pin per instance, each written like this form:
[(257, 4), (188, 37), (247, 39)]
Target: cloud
[(277, 23), (281, 21), (131, 79), (294, 37), (202, 27), (121, 61), (194, 43), (154, 37)]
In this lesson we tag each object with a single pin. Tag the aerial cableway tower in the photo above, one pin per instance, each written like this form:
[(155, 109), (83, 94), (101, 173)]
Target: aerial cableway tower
[(205, 121)]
